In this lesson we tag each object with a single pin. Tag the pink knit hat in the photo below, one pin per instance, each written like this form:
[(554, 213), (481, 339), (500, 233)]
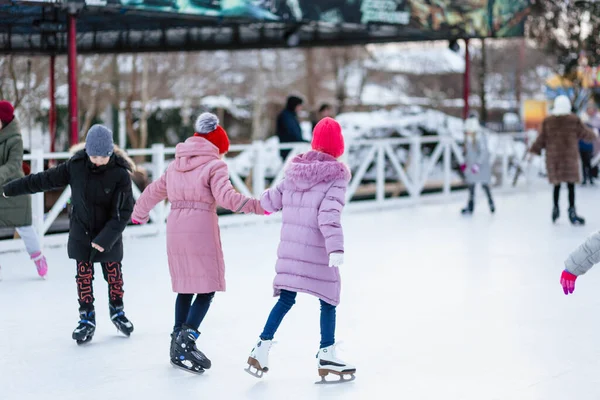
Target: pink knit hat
[(328, 138)]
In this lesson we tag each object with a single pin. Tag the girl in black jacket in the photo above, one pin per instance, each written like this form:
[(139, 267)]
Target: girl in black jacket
[(101, 205)]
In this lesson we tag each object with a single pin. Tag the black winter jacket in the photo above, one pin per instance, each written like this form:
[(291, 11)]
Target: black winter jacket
[(101, 202)]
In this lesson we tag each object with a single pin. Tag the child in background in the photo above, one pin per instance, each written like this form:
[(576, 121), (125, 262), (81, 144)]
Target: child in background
[(477, 166)]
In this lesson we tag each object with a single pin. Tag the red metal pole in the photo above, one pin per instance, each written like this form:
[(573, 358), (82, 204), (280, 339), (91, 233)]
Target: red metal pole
[(467, 82), (72, 56), (52, 111)]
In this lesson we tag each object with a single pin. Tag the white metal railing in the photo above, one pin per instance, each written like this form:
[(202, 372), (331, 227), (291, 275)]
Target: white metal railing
[(398, 160)]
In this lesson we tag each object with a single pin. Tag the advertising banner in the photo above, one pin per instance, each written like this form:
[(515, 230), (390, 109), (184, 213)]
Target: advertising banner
[(422, 18)]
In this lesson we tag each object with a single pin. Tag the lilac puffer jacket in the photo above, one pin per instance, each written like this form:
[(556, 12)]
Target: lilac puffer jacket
[(312, 196)]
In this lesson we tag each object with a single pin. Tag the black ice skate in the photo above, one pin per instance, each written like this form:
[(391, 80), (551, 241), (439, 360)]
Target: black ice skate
[(555, 214), (468, 210), (186, 354), (492, 207), (574, 218), (117, 316), (86, 328)]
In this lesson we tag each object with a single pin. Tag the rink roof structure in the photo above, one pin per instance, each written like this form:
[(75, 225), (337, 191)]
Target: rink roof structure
[(127, 26)]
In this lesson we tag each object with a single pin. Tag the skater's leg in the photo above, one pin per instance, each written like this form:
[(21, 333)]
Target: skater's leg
[(327, 324), (556, 196), (286, 300), (488, 192), (85, 290), (182, 309), (113, 275), (30, 238), (571, 187), (471, 203), (199, 309), (32, 244)]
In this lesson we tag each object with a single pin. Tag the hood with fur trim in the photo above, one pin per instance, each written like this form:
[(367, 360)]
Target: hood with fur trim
[(118, 152), (309, 169)]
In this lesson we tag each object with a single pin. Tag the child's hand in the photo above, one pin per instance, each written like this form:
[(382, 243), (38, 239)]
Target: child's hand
[(267, 213), (98, 247), (136, 222), (475, 168), (463, 167), (567, 280), (336, 259)]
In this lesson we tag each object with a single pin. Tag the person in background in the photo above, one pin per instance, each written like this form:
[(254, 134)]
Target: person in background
[(559, 136), (477, 167), (288, 126), (591, 117), (16, 212), (324, 111)]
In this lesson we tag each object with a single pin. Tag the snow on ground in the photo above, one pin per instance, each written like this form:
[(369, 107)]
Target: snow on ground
[(434, 306)]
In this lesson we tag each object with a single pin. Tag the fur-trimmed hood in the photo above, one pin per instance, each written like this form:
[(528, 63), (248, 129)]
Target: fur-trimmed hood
[(309, 169), (127, 162)]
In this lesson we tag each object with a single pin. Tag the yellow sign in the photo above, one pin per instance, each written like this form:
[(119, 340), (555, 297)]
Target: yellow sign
[(534, 113)]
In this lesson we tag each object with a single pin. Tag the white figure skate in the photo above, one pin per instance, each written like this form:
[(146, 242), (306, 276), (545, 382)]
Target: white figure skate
[(259, 358), (328, 363)]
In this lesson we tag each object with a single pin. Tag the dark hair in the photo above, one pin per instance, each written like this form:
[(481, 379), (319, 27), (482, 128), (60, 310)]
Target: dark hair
[(293, 102), (324, 107)]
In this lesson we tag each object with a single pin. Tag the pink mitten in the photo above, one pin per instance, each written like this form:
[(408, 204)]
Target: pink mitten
[(475, 168), (136, 222), (267, 213), (567, 280), (463, 167)]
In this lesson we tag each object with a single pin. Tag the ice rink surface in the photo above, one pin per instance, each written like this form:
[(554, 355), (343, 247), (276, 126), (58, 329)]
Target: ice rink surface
[(434, 306)]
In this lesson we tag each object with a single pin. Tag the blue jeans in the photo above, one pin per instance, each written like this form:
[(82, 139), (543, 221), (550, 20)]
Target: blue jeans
[(286, 300), (191, 314)]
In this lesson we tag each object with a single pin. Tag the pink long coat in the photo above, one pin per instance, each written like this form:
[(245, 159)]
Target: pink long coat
[(195, 183)]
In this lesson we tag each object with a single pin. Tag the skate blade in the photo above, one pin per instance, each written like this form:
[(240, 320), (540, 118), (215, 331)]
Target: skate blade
[(259, 372), (124, 333), (343, 377), (83, 341), (195, 371)]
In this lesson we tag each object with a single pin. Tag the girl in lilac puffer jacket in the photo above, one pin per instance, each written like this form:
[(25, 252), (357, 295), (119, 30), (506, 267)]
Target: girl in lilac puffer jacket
[(311, 198)]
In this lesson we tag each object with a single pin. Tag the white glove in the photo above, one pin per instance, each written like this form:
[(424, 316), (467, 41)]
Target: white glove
[(336, 259)]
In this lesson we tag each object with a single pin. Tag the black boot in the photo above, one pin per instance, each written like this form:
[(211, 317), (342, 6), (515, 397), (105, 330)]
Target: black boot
[(185, 354), (575, 219), (555, 214), (468, 210), (186, 343), (492, 206), (86, 327), (117, 316)]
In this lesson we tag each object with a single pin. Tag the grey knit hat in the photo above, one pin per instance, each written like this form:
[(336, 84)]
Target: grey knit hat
[(99, 142)]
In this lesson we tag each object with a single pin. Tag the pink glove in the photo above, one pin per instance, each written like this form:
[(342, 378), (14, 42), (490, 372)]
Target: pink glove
[(463, 167), (136, 222), (567, 280), (475, 168), (267, 213)]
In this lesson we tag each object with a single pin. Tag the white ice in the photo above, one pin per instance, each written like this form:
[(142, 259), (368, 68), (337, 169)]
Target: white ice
[(434, 306)]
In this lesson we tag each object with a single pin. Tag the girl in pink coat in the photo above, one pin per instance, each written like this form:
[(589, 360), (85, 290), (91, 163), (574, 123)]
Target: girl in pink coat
[(195, 184), (311, 197)]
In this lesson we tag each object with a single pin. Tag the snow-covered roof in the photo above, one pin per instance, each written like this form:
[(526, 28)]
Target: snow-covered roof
[(422, 61)]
